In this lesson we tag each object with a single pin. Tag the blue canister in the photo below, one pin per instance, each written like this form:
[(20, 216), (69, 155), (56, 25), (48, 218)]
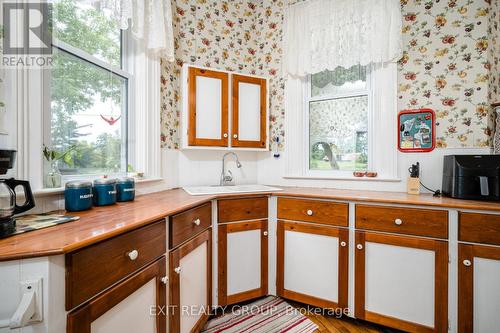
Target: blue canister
[(125, 189), (78, 196), (104, 191)]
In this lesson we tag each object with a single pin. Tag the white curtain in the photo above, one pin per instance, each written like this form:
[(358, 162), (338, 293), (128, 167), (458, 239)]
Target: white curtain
[(324, 34), (151, 22)]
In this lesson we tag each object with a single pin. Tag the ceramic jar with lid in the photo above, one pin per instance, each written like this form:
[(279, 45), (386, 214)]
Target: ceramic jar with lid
[(125, 189), (78, 196), (104, 191)]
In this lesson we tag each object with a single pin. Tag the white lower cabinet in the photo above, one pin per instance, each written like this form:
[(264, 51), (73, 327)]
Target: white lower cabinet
[(135, 305), (401, 281), (312, 264), (190, 284), (479, 289), (242, 261)]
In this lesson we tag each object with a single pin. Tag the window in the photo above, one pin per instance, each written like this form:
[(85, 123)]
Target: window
[(89, 87), (338, 112)]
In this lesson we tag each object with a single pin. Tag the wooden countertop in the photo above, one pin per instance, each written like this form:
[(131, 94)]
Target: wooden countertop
[(101, 223)]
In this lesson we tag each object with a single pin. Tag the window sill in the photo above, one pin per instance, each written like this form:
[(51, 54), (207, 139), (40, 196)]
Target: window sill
[(45, 192), (348, 178)]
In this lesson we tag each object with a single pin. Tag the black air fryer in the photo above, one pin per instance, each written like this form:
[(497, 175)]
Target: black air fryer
[(475, 177)]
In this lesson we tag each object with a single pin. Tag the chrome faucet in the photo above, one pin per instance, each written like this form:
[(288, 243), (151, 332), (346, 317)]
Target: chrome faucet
[(227, 179)]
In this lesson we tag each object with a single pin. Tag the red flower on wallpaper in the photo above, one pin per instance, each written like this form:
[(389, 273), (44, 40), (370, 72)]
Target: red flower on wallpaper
[(179, 11), (448, 39), (452, 129), (410, 17), (230, 23), (410, 76), (448, 102)]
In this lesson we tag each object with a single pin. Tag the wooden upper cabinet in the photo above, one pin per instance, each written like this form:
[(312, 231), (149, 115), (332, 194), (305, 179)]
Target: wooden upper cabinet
[(208, 98), (249, 112), (207, 107)]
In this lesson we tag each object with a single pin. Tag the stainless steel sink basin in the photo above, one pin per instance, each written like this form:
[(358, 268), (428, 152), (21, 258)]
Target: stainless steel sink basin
[(216, 189)]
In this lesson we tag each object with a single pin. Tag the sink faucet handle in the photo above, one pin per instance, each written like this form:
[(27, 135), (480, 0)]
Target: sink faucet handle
[(229, 177)]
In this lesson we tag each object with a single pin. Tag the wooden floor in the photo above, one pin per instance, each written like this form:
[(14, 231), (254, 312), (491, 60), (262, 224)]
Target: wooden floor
[(331, 324)]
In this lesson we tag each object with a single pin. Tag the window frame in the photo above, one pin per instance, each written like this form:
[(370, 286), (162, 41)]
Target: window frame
[(126, 54), (308, 98)]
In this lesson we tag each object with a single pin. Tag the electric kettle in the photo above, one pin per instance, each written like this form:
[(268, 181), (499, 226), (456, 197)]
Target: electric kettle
[(9, 206)]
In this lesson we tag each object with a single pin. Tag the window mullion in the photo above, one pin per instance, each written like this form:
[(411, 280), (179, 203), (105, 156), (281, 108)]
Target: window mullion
[(79, 53)]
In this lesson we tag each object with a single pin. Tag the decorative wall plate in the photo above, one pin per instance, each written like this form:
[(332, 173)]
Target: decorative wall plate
[(416, 130)]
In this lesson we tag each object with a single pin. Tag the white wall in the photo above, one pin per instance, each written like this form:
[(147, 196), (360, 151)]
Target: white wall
[(203, 167), (270, 171)]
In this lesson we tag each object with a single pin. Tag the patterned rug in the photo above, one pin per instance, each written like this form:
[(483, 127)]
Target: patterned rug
[(267, 315)]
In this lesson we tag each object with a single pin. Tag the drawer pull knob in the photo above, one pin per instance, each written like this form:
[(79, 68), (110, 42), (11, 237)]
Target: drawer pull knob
[(197, 222), (178, 270), (359, 247), (398, 221), (164, 279), (343, 244), (225, 135), (467, 263), (265, 233), (133, 254), (235, 136), (309, 212)]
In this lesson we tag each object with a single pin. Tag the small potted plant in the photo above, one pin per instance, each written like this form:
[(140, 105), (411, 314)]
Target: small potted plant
[(52, 156)]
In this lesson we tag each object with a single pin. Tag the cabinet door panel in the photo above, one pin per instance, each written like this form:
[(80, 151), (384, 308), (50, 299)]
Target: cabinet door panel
[(312, 264), (393, 276), (208, 108), (305, 258), (478, 288), (249, 125), (127, 306), (124, 317), (242, 261), (190, 284), (402, 282)]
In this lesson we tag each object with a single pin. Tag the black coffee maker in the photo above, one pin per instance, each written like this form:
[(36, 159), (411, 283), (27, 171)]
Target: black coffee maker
[(8, 204)]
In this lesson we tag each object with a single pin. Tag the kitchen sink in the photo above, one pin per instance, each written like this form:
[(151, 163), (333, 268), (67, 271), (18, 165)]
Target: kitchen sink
[(229, 189)]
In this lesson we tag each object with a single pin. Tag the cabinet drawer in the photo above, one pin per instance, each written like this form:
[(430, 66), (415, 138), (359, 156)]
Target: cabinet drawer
[(231, 210), (411, 221), (325, 212), (189, 223), (93, 269), (479, 228)]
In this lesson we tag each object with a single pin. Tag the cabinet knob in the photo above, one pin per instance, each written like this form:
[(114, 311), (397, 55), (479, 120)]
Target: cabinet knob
[(265, 233), (164, 279), (225, 135), (467, 262), (343, 244), (309, 212), (197, 222), (133, 254), (398, 221), (235, 136), (178, 270), (359, 247)]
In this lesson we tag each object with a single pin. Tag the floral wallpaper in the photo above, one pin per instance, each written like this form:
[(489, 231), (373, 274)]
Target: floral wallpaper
[(447, 63), (494, 51), (242, 36), (445, 67)]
